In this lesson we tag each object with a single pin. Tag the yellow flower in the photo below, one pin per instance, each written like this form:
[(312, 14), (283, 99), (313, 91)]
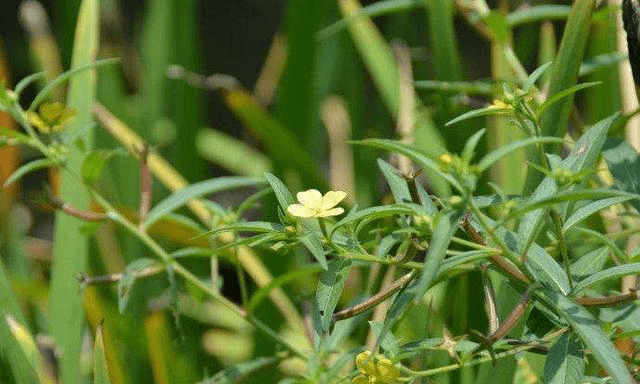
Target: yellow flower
[(499, 104), (52, 117), (313, 204), (375, 369)]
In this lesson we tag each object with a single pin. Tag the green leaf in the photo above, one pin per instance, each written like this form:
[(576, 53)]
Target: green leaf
[(482, 88), (282, 192), (537, 13), (125, 284), (27, 168), (589, 263), (263, 293), (442, 36), (313, 244), (373, 10), (68, 75), (330, 288), (93, 164), (413, 153), (470, 146), (608, 274), (231, 153), (492, 157), (238, 372), (100, 365), (561, 95), (445, 227), (624, 164), (248, 226), (590, 208), (397, 184), (480, 112), (589, 330), (206, 187), (583, 156), (565, 361), (373, 213), (535, 75), (388, 342)]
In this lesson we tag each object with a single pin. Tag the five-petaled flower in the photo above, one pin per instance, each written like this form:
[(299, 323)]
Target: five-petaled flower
[(52, 117), (313, 204), (376, 369)]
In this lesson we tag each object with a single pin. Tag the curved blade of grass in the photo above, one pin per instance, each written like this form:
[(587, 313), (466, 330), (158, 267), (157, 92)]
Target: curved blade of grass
[(70, 244), (415, 155), (562, 94), (231, 153), (373, 10), (538, 13), (608, 274), (27, 168), (494, 156), (590, 331), (479, 112), (591, 208), (66, 76), (206, 187)]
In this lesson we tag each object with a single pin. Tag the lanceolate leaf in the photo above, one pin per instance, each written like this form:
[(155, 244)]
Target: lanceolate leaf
[(589, 330), (565, 361), (329, 290), (282, 192), (608, 274), (313, 244), (202, 188), (27, 168)]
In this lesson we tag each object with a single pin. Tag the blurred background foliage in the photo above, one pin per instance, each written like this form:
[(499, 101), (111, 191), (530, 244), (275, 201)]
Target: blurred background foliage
[(291, 88)]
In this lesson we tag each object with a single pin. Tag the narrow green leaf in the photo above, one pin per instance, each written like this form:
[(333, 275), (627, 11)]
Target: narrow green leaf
[(282, 192), (206, 187), (565, 361), (100, 365), (328, 293), (445, 227), (561, 95), (494, 156), (24, 83), (470, 146), (231, 153), (397, 184), (68, 75), (249, 226), (589, 263), (538, 13), (70, 244), (238, 372), (442, 36), (601, 61), (608, 274), (624, 164), (93, 164), (414, 154), (125, 284), (590, 208), (482, 88), (480, 112), (373, 213), (313, 244), (27, 168), (388, 342), (589, 330), (263, 293), (373, 10), (535, 75)]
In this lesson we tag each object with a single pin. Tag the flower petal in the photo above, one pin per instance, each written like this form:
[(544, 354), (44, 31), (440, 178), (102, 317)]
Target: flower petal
[(301, 211), (332, 198), (387, 372), (330, 212), (310, 198)]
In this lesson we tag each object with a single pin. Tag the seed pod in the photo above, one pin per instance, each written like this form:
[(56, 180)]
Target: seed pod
[(631, 20)]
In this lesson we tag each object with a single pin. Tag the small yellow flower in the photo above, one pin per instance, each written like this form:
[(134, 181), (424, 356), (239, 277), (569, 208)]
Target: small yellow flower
[(52, 117), (313, 204), (445, 158), (375, 369), (499, 104)]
